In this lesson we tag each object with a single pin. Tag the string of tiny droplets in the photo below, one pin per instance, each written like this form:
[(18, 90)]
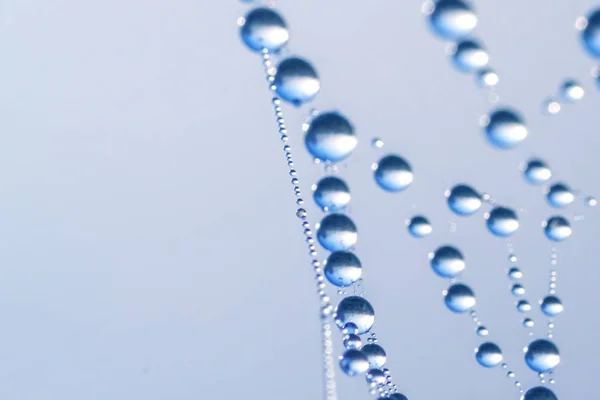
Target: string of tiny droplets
[(528, 322), (330, 389)]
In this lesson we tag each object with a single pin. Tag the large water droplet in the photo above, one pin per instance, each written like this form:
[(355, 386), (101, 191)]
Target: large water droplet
[(393, 173), (551, 306), (330, 137), (419, 226), (337, 232), (264, 28), (395, 396), (488, 355), (447, 262), (375, 355), (539, 393), (460, 298), (452, 19), (356, 310), (332, 194), (515, 273), (342, 268), (354, 362), (542, 356), (296, 81), (463, 200), (537, 172), (352, 341), (560, 195), (502, 221), (557, 228), (505, 129), (470, 56), (591, 34), (571, 91)]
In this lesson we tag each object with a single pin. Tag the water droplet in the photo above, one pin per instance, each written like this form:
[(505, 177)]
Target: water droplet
[(560, 195), (482, 331), (352, 342), (488, 355), (350, 329), (463, 200), (356, 310), (460, 298), (296, 81), (512, 258), (301, 213), (396, 396), (470, 56), (590, 35), (537, 172), (591, 201), (332, 194), (419, 226), (551, 106), (539, 393), (264, 28), (502, 221), (452, 19), (542, 355), (447, 262), (517, 290), (377, 143), (523, 306), (343, 268), (375, 377), (515, 273), (354, 362), (375, 355), (337, 232), (551, 306), (330, 137), (487, 78), (571, 91), (393, 173), (557, 228), (528, 323), (506, 129)]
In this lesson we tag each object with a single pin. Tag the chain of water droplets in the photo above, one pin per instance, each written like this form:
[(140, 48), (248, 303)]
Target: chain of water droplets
[(329, 388)]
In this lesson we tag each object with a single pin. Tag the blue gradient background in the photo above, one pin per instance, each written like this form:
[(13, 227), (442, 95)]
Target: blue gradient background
[(148, 245)]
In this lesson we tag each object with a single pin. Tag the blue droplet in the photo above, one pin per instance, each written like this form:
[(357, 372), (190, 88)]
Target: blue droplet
[(330, 137), (332, 194), (419, 226), (447, 262), (591, 34), (296, 81), (356, 310), (502, 221), (489, 355), (542, 356), (460, 298), (337, 232), (505, 129), (557, 228), (539, 393), (470, 56), (463, 200), (264, 28), (393, 173), (452, 19), (560, 195), (343, 268)]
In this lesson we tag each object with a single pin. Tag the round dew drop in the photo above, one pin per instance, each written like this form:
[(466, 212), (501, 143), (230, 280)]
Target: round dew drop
[(539, 393), (470, 56), (330, 137), (557, 228), (419, 227), (447, 262), (542, 356), (332, 194), (375, 355), (537, 172), (353, 362), (356, 310), (502, 222), (296, 81), (488, 355), (505, 129), (460, 298), (264, 28), (393, 173), (463, 200), (337, 232), (452, 19)]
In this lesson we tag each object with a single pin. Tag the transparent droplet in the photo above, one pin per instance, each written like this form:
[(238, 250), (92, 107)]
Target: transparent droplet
[(539, 393), (542, 355), (460, 298), (512, 258), (557, 228), (343, 268), (528, 323), (377, 143), (560, 195), (488, 355), (551, 306), (447, 262), (523, 306), (487, 78), (463, 200), (571, 91), (330, 137), (296, 81), (357, 310), (452, 19), (375, 355), (502, 221), (482, 331), (419, 226), (352, 342), (263, 28), (590, 35), (517, 290), (591, 201), (375, 377), (537, 172), (354, 362), (515, 273), (551, 106), (393, 173), (332, 194), (470, 56), (337, 232), (506, 129)]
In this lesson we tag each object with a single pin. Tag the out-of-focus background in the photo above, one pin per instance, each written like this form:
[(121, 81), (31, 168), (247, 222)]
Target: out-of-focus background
[(148, 244)]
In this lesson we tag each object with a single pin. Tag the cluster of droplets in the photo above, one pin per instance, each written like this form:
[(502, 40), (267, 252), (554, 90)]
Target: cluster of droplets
[(517, 289), (329, 138), (569, 92)]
